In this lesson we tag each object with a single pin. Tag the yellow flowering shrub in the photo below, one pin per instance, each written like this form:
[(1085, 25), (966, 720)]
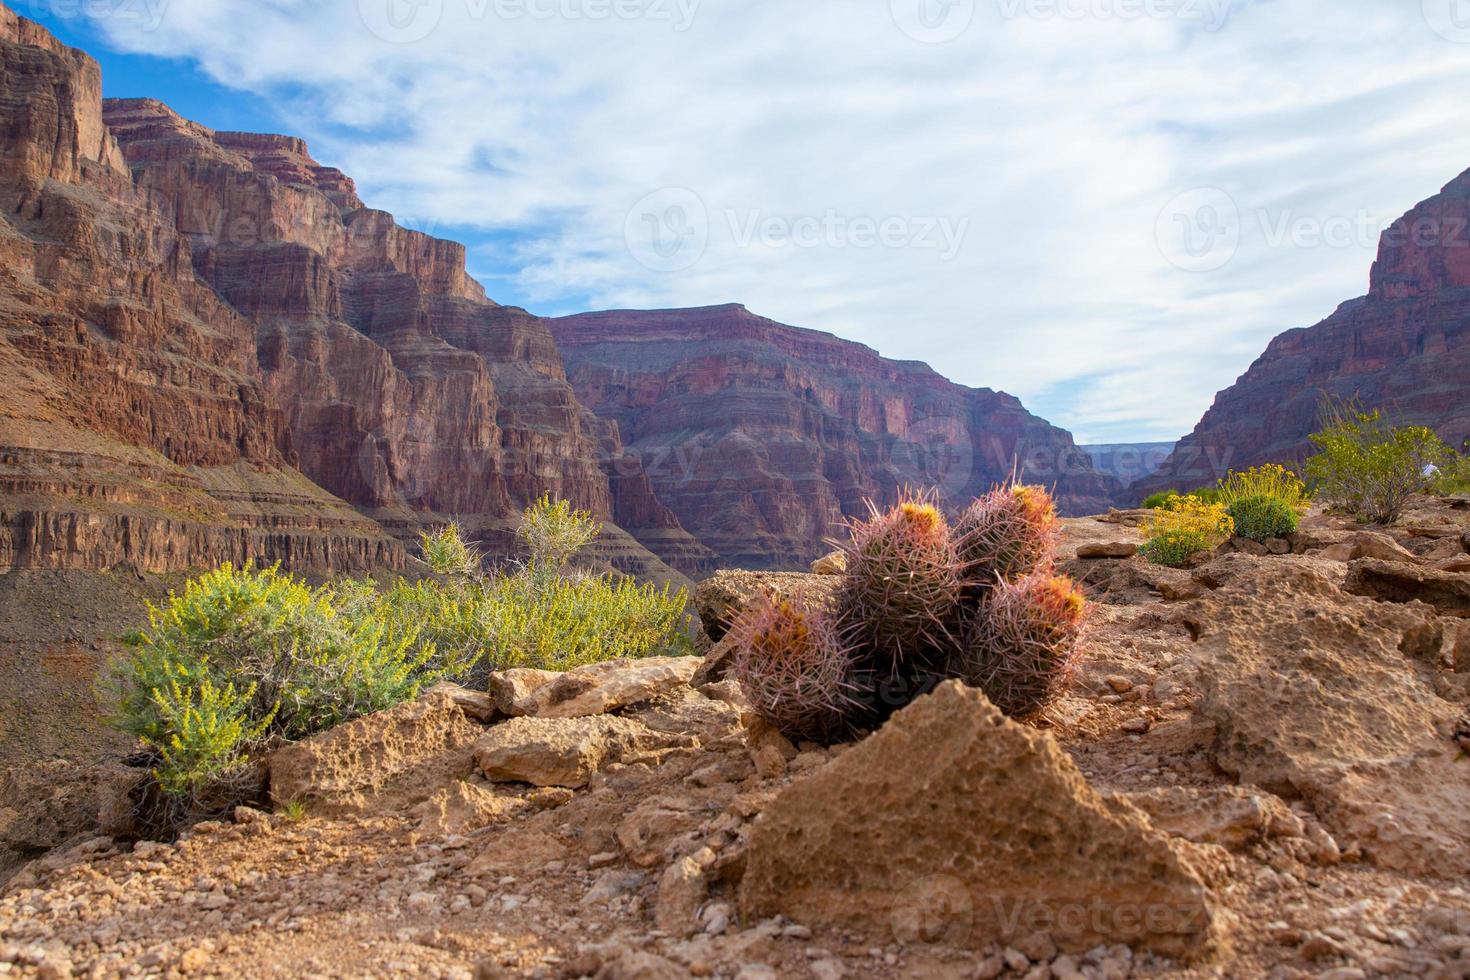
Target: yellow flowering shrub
[(1183, 527)]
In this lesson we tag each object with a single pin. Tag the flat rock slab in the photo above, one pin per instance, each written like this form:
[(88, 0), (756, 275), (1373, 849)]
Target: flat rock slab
[(602, 687), (1314, 694), (720, 597), (953, 823), (1393, 581), (567, 751), (393, 758)]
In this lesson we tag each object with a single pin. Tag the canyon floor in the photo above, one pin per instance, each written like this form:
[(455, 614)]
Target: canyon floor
[(1275, 743)]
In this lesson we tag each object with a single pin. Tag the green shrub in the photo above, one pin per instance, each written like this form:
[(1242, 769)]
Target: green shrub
[(552, 533), (1453, 478), (244, 655), (446, 553), (1182, 528), (1370, 468), (1264, 501), (1260, 518), (1156, 500)]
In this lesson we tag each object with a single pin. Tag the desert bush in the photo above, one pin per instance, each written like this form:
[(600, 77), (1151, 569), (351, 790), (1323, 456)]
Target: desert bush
[(1182, 528), (552, 532), (1368, 467), (1264, 501), (1453, 478), (794, 666), (535, 614), (1023, 646), (1007, 534), (446, 552), (1156, 500), (243, 655)]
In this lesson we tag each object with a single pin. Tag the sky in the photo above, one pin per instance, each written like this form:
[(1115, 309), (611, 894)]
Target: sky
[(1104, 207)]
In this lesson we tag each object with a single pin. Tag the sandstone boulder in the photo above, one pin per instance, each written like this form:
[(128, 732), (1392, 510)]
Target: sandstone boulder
[(602, 687), (512, 689), (462, 807), (1313, 694), (979, 826), (1107, 549), (1233, 817), (397, 757), (1391, 581), (833, 564), (567, 751), (1373, 544), (720, 597)]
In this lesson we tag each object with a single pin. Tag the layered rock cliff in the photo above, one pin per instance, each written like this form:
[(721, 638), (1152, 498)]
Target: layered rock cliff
[(762, 437), (406, 390), (134, 425), (1404, 347)]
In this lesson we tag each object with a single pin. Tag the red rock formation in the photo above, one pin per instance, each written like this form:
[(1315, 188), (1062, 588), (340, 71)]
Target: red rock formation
[(761, 437), (134, 424), (407, 391), (1404, 348)]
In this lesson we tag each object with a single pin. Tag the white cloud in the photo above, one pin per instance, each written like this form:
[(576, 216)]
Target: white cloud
[(1054, 137)]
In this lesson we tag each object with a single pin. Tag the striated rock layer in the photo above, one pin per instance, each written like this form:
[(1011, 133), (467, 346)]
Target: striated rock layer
[(407, 391), (762, 437), (134, 425), (1404, 348)]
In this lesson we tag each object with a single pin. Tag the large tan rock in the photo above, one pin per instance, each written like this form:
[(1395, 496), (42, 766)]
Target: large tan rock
[(720, 597), (512, 690), (1392, 581), (393, 758), (602, 687), (1369, 544), (952, 810), (567, 751), (1316, 693)]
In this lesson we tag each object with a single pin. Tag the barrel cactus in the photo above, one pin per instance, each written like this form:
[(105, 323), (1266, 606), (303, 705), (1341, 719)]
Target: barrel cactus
[(1008, 534), (795, 668), (902, 583), (1023, 643)]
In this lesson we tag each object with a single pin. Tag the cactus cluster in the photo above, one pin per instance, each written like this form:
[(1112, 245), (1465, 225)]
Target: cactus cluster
[(923, 598), (794, 666)]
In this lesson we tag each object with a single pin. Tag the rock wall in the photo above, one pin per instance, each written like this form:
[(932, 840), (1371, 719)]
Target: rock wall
[(1404, 348), (762, 437), (135, 427)]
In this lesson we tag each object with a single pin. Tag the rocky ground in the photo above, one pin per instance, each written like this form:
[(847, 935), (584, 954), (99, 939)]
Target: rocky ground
[(1262, 771)]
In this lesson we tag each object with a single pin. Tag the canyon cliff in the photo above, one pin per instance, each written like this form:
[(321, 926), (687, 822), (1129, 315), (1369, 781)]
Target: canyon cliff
[(763, 437), (135, 427), (214, 350), (1404, 348)]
